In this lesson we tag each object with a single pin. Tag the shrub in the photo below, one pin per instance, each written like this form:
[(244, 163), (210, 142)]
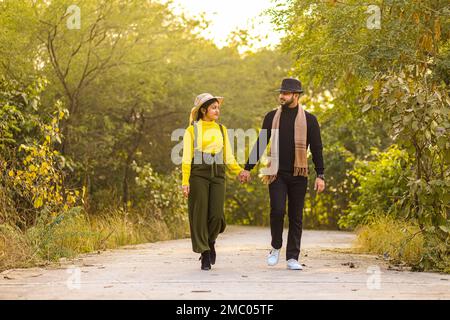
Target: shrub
[(403, 242), (380, 185), (162, 199)]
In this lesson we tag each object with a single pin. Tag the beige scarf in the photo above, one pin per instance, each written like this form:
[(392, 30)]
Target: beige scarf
[(301, 160)]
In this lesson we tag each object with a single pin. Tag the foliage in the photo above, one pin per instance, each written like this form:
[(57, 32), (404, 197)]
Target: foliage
[(419, 112), (332, 39), (19, 119), (164, 201), (418, 109), (40, 176), (381, 186), (33, 171), (243, 203)]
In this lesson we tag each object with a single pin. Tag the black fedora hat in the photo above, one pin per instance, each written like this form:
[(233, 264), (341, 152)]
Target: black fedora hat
[(291, 85)]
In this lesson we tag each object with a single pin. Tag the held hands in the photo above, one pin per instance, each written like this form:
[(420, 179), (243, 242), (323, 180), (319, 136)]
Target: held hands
[(244, 176), (319, 185), (185, 191)]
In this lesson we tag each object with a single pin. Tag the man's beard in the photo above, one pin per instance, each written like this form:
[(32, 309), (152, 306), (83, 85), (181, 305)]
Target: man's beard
[(287, 103)]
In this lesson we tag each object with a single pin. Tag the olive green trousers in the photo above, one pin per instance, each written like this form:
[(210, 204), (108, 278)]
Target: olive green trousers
[(206, 204)]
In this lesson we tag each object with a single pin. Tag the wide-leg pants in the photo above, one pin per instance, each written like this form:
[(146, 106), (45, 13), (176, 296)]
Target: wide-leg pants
[(206, 204)]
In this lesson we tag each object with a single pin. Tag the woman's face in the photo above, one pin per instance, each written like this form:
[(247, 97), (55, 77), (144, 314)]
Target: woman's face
[(213, 112)]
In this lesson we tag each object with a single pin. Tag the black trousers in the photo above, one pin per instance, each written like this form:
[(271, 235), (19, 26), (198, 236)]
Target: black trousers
[(294, 189)]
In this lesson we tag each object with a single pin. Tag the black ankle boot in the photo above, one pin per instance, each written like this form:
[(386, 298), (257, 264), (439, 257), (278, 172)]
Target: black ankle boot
[(212, 253), (206, 260)]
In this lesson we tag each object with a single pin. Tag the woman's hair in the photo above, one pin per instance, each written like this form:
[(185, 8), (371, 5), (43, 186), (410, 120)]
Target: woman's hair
[(205, 107)]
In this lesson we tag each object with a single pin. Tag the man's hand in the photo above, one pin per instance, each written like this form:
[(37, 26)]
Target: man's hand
[(185, 191), (319, 185), (244, 176)]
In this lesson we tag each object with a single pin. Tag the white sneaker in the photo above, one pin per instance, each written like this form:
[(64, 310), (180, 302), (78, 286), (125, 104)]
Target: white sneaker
[(293, 264), (273, 257)]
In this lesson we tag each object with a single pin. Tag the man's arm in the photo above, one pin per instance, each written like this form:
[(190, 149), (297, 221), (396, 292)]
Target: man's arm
[(261, 143), (315, 145)]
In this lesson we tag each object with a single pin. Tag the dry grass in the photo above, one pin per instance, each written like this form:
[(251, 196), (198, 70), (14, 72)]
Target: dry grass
[(402, 242), (15, 252), (75, 233), (399, 240)]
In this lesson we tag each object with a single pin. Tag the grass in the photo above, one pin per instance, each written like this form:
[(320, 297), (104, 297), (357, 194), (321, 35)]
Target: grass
[(75, 232), (401, 241), (14, 248)]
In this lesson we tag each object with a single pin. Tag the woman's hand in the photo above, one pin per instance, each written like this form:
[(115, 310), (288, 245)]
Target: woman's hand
[(185, 191), (244, 176)]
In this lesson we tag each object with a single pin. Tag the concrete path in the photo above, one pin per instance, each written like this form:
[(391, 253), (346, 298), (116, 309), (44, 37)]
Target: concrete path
[(170, 270)]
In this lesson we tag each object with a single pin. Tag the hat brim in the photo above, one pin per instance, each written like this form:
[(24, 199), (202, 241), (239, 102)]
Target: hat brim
[(219, 99), (194, 110), (287, 90)]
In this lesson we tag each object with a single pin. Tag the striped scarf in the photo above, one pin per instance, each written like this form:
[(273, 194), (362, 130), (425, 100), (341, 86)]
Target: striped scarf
[(301, 160)]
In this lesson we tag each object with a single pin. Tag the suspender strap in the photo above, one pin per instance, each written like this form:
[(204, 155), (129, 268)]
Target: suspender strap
[(223, 138), (195, 135)]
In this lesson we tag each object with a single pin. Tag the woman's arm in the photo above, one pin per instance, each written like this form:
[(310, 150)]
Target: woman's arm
[(230, 160), (188, 150)]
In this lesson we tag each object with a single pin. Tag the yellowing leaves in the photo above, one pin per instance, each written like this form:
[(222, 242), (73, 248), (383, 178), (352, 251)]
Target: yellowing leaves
[(38, 202), (44, 169), (427, 42), (61, 114), (437, 29), (39, 181), (416, 17), (376, 89)]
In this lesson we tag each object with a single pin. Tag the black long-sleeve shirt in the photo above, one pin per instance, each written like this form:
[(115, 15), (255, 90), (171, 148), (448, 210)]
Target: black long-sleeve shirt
[(286, 141)]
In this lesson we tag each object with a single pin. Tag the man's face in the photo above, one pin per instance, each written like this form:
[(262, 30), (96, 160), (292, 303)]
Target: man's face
[(286, 98)]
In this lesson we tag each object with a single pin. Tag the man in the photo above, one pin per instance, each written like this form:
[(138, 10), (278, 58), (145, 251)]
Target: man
[(291, 130)]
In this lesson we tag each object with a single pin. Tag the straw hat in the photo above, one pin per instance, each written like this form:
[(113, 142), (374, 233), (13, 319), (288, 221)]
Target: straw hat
[(199, 101)]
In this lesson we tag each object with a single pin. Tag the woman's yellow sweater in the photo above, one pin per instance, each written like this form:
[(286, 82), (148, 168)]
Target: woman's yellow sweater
[(209, 140)]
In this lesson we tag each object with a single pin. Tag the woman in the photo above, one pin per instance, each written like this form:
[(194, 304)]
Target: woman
[(204, 161)]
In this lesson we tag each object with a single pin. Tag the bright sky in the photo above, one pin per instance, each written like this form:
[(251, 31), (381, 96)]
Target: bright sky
[(229, 15)]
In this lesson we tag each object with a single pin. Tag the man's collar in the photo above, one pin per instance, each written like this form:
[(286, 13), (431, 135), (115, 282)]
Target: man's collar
[(287, 107)]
